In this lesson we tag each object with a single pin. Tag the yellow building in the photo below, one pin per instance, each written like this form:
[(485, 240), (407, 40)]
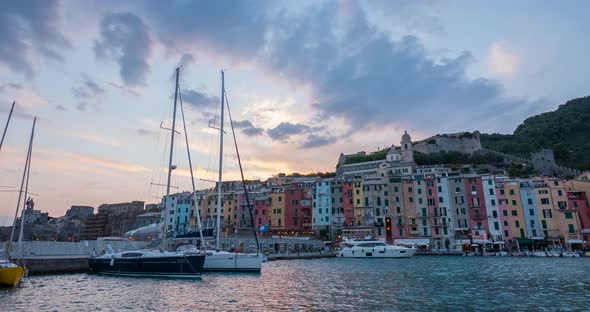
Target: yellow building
[(276, 210), (569, 222), (515, 211), (548, 215), (358, 202)]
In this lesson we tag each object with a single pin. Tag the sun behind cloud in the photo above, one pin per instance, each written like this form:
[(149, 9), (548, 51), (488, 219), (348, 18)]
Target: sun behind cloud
[(502, 61)]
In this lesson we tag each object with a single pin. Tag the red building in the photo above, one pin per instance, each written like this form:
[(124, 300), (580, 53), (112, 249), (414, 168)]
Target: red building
[(261, 205), (478, 219), (298, 205), (434, 212), (578, 201), (347, 203)]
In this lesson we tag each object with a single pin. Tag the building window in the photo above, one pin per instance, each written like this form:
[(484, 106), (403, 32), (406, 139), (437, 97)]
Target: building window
[(491, 191), (559, 192), (568, 215), (571, 228), (532, 212), (493, 202), (517, 224)]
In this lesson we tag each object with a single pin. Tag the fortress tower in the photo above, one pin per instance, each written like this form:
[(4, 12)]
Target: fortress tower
[(406, 147)]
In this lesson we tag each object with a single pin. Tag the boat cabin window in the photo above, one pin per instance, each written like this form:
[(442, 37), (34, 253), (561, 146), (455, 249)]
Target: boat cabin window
[(131, 254), (372, 245)]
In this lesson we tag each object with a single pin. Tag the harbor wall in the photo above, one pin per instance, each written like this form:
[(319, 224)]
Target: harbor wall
[(49, 257)]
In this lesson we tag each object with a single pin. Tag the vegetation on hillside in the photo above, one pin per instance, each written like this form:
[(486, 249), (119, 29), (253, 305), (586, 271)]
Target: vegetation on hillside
[(566, 131), (323, 175), (380, 155)]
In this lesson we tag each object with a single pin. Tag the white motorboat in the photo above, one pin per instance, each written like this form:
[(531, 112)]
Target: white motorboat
[(371, 248)]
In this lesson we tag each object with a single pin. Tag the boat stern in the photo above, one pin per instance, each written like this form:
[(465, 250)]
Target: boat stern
[(11, 276)]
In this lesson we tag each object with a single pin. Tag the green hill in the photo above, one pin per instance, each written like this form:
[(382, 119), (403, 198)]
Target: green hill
[(565, 130)]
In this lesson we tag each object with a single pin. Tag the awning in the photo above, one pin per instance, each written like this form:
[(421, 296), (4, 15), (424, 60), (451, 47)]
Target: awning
[(481, 241), (574, 241), (499, 243), (412, 241), (524, 241)]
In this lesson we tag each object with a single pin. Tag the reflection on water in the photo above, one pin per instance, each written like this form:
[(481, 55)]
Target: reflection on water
[(417, 284)]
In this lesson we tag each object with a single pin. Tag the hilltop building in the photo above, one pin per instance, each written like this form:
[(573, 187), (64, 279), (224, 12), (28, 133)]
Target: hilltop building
[(112, 220), (461, 142), (82, 212), (400, 161)]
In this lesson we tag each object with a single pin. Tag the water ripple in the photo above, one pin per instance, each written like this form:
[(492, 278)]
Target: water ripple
[(417, 284)]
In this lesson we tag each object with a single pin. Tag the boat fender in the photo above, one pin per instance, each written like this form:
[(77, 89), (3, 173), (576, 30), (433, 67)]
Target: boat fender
[(112, 261)]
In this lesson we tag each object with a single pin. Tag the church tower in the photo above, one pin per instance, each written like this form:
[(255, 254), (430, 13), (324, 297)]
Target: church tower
[(406, 147)]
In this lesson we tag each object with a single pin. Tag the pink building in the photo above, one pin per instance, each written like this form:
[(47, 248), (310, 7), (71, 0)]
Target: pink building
[(477, 205), (578, 202), (504, 211)]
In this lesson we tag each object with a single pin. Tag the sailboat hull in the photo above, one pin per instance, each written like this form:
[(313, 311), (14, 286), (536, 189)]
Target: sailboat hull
[(222, 261), (188, 266), (11, 276)]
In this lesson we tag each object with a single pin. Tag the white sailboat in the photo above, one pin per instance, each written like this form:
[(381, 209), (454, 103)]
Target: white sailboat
[(151, 263), (218, 260)]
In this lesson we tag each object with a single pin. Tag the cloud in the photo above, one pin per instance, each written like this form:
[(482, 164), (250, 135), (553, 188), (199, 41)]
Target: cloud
[(60, 108), (10, 87), (199, 99), (318, 141), (354, 70), (125, 39), (124, 90), (186, 59), (501, 61), (237, 28), (88, 92), (248, 128), (27, 29), (285, 130)]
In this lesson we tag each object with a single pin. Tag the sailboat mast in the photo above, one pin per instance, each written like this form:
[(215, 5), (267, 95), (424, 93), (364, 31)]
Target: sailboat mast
[(219, 182), (170, 167), (6, 127), (20, 193), (28, 169), (190, 167)]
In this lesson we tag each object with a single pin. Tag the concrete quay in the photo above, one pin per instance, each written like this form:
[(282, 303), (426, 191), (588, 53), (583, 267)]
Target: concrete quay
[(49, 257)]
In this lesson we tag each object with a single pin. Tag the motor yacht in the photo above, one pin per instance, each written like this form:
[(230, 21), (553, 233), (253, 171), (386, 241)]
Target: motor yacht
[(372, 248)]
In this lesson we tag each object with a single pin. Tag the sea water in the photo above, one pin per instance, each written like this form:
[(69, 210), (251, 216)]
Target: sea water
[(422, 283)]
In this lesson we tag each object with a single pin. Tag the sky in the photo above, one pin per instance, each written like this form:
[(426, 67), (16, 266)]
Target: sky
[(305, 81)]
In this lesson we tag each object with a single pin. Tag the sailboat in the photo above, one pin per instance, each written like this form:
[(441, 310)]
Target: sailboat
[(218, 260), (152, 263), (12, 273)]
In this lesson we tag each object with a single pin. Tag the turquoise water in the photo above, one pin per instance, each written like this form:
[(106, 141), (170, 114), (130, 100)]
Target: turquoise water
[(417, 284)]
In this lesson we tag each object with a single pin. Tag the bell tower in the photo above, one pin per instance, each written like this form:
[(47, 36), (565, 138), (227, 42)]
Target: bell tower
[(406, 147)]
